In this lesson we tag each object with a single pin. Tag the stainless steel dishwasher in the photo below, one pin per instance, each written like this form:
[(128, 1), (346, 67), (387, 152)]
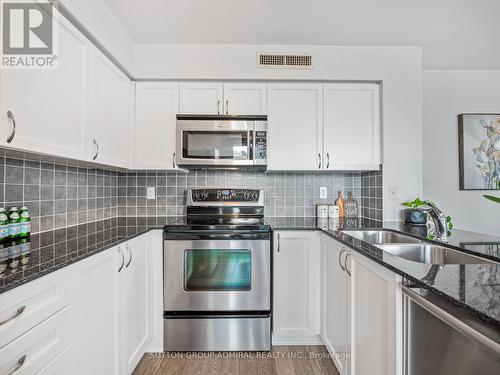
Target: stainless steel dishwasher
[(441, 339)]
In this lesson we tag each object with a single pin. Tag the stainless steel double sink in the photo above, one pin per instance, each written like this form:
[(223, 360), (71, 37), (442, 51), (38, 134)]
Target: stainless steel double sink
[(414, 249)]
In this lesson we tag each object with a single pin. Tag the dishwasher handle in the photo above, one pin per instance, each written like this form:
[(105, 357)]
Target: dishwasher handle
[(451, 320)]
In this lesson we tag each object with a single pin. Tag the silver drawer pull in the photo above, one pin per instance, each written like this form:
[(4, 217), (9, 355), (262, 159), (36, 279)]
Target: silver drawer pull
[(340, 258), (279, 240), (345, 263), (130, 252), (18, 365), (173, 160), (327, 160), (18, 312), (13, 120), (319, 160), (123, 259), (96, 150), (218, 107), (227, 107)]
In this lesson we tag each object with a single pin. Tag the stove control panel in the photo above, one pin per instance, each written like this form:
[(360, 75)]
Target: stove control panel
[(225, 195)]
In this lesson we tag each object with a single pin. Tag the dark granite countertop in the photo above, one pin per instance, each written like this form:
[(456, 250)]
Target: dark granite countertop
[(47, 252), (473, 287)]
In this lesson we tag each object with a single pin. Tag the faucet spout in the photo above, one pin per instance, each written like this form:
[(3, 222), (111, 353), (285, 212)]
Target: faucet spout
[(439, 220)]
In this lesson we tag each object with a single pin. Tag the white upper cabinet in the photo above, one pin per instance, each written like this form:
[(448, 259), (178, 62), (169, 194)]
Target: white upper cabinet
[(110, 109), (295, 123), (157, 104), (49, 106), (296, 301), (352, 126), (245, 98), (201, 98)]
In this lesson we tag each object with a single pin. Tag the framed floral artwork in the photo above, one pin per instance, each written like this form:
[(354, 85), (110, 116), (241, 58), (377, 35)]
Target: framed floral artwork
[(479, 151)]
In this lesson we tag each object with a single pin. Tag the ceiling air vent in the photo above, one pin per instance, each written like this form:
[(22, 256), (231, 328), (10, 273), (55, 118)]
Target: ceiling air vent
[(284, 61)]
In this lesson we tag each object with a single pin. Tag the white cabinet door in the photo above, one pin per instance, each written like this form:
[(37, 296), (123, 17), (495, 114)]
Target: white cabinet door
[(201, 98), (376, 318), (95, 331), (295, 122), (136, 288), (49, 106), (296, 305), (352, 126), (157, 104), (111, 95), (334, 302), (245, 98)]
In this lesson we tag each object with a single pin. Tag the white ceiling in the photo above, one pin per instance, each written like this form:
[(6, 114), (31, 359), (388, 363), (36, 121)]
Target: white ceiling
[(450, 29)]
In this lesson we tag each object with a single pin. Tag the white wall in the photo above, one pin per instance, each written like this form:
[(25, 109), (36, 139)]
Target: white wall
[(446, 94), (97, 18), (398, 68)]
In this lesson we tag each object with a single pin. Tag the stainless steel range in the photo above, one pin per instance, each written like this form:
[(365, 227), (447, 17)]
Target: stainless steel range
[(217, 274)]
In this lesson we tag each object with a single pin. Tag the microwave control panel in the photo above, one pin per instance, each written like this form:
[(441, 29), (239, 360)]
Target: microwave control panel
[(260, 151)]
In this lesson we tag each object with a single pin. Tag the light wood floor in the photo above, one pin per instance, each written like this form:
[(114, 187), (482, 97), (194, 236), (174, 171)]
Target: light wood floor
[(282, 360)]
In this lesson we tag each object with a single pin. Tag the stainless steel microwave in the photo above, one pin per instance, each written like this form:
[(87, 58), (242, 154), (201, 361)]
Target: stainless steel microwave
[(221, 141)]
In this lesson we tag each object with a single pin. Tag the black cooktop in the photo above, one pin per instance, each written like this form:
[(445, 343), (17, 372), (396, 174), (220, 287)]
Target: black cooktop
[(219, 224)]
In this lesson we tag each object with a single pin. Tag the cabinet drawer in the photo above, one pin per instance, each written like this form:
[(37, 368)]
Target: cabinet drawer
[(38, 347), (28, 305), (61, 365)]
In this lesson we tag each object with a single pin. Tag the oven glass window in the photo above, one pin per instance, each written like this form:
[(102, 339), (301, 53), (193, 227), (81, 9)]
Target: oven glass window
[(215, 145), (220, 270)]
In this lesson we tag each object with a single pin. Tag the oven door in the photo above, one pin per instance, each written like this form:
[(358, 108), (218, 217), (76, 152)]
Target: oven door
[(214, 143), (217, 275)]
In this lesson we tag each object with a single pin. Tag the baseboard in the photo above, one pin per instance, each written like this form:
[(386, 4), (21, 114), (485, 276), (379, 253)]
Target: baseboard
[(297, 340)]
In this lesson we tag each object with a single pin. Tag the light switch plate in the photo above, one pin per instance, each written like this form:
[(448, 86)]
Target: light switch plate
[(151, 193), (323, 192), (393, 193)]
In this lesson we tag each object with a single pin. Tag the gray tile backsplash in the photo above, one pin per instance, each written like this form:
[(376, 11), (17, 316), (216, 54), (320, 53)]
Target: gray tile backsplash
[(62, 195), (292, 194), (58, 195)]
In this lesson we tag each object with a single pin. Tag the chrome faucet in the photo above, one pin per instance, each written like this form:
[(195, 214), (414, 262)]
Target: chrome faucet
[(439, 220)]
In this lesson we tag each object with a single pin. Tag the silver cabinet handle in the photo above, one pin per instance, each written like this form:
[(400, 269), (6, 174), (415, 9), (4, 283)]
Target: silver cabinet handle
[(218, 107), (19, 364), (18, 312), (13, 120), (279, 243), (319, 160), (340, 257), (345, 262), (327, 160), (96, 149), (123, 259), (130, 253), (173, 160), (227, 107)]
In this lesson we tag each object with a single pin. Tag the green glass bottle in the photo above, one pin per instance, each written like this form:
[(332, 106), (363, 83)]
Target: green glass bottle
[(14, 226), (24, 223), (4, 226)]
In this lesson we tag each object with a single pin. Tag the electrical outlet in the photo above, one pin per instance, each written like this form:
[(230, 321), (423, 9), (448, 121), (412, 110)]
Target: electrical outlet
[(323, 192), (393, 194), (151, 193)]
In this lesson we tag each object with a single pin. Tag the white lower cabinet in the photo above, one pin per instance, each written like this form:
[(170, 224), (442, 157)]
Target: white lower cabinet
[(376, 304), (296, 313), (334, 326), (135, 311), (361, 312), (112, 295), (95, 323)]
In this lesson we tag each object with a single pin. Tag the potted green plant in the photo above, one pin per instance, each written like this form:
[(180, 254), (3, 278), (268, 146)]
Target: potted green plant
[(412, 215)]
